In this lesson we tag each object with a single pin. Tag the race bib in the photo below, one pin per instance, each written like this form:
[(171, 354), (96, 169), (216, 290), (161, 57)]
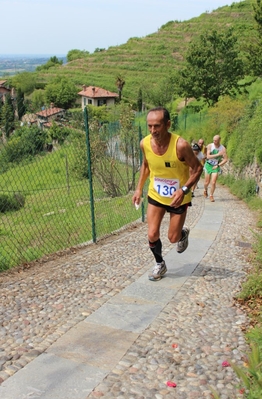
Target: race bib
[(166, 187), (212, 162)]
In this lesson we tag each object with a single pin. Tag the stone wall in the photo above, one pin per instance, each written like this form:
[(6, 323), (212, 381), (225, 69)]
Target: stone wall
[(253, 171)]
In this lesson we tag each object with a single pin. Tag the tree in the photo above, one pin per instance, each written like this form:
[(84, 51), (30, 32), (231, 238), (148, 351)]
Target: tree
[(38, 99), (213, 68), (61, 92), (76, 54), (53, 61), (26, 81), (99, 50), (162, 93), (25, 142), (120, 82), (7, 116), (20, 103)]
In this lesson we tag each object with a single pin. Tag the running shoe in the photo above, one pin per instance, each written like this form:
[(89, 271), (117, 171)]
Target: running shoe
[(212, 198), (158, 271), (183, 243), (205, 193)]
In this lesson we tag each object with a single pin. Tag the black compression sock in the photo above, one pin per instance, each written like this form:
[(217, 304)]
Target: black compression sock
[(156, 248)]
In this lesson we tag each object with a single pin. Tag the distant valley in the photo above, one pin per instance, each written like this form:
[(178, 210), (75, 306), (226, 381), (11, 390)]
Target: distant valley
[(11, 64)]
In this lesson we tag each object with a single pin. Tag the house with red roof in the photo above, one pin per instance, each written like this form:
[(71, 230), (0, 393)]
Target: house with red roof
[(97, 96), (46, 116), (4, 90)]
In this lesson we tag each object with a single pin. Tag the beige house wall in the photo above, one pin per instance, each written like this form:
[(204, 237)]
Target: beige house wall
[(109, 101)]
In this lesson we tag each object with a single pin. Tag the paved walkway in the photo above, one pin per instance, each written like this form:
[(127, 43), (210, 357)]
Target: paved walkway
[(92, 325)]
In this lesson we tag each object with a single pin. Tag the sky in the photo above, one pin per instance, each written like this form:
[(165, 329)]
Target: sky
[(54, 27)]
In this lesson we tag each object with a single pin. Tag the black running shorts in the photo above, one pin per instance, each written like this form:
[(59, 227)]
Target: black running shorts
[(181, 209)]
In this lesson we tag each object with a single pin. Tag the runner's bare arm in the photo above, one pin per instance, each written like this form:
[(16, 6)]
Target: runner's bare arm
[(225, 158), (144, 174), (185, 153), (211, 156)]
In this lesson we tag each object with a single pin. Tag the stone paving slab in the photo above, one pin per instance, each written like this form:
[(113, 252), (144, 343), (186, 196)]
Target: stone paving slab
[(52, 377), (133, 317), (145, 290), (95, 345)]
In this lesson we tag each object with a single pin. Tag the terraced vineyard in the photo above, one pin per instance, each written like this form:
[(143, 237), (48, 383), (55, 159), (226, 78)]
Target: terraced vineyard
[(148, 61)]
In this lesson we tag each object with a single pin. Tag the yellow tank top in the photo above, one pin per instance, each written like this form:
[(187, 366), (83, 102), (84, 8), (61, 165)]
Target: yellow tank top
[(167, 172)]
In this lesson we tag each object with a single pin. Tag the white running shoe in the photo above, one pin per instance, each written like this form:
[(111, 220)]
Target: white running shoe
[(183, 243), (158, 271)]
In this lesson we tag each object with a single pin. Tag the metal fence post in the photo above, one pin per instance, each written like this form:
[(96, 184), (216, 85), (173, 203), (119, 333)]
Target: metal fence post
[(90, 175), (140, 161)]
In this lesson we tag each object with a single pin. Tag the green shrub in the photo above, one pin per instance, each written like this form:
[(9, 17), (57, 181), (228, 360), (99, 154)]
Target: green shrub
[(80, 161), (252, 287), (24, 143), (11, 202), (243, 189), (59, 133)]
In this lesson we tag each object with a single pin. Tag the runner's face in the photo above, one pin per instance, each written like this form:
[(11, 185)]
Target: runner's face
[(216, 141), (156, 125)]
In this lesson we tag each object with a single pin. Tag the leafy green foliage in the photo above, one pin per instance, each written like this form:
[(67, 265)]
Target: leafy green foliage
[(26, 81), (76, 54), (7, 116), (61, 92), (244, 189), (38, 99), (252, 288), (100, 114), (11, 202), (246, 142), (25, 142), (58, 133), (21, 109), (162, 94), (251, 376), (80, 161), (213, 67), (52, 62), (97, 49)]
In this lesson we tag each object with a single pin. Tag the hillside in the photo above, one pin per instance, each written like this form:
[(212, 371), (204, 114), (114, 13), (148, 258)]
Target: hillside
[(146, 62)]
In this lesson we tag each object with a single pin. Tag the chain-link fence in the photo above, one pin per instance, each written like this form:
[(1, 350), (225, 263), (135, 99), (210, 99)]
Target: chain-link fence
[(66, 178), (64, 181)]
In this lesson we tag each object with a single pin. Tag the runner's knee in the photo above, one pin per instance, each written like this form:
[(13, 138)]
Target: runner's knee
[(174, 236), (153, 235)]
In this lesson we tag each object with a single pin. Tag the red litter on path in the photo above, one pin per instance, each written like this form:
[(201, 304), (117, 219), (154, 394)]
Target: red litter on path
[(171, 384)]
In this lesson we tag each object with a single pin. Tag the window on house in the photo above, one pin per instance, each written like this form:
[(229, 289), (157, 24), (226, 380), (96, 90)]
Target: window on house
[(84, 101), (90, 101), (101, 102)]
